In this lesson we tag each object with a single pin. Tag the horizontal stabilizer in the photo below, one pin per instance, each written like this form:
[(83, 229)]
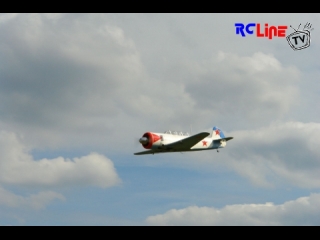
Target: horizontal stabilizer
[(221, 139), (227, 138)]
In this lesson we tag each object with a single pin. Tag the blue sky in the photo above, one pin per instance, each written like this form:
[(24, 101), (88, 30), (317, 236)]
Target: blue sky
[(78, 90)]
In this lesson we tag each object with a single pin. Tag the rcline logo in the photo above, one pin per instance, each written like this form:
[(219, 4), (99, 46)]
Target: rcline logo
[(300, 39), (269, 32)]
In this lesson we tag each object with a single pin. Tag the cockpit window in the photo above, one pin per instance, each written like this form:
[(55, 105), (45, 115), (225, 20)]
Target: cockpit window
[(177, 133)]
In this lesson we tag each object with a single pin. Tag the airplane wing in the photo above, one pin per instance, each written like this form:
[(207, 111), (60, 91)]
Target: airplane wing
[(187, 143), (146, 152), (181, 145)]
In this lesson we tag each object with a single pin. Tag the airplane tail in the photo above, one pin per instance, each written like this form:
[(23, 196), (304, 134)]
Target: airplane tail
[(217, 133)]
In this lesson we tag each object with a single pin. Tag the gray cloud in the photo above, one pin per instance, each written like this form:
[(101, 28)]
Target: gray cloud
[(287, 150), (59, 75), (84, 80), (256, 88), (87, 76)]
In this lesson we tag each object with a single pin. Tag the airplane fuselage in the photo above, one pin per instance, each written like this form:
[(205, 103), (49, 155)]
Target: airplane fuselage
[(207, 143), (182, 142)]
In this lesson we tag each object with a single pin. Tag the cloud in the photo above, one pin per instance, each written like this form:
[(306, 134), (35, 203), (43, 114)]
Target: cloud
[(68, 77), (17, 167), (65, 73), (4, 17), (302, 211), (91, 81), (34, 201), (255, 88), (286, 150), (280, 154)]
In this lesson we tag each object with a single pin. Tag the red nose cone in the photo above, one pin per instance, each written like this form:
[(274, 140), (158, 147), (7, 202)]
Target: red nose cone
[(151, 139)]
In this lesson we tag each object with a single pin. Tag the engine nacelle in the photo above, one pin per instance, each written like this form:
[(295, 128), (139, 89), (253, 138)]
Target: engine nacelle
[(150, 140)]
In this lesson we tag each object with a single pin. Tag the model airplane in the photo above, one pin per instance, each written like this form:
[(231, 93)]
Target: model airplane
[(172, 141)]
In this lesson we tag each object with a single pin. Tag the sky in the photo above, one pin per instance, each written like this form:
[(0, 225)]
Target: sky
[(77, 91)]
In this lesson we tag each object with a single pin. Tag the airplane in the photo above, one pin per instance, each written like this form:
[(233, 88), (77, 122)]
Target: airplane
[(173, 141)]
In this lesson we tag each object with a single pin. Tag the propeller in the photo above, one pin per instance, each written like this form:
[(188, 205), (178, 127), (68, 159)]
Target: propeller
[(136, 142)]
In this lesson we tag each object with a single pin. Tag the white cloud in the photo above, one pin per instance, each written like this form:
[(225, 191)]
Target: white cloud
[(302, 211), (18, 167), (34, 201)]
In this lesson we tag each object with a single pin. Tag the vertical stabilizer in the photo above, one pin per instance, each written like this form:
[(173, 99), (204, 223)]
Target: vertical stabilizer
[(217, 133)]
